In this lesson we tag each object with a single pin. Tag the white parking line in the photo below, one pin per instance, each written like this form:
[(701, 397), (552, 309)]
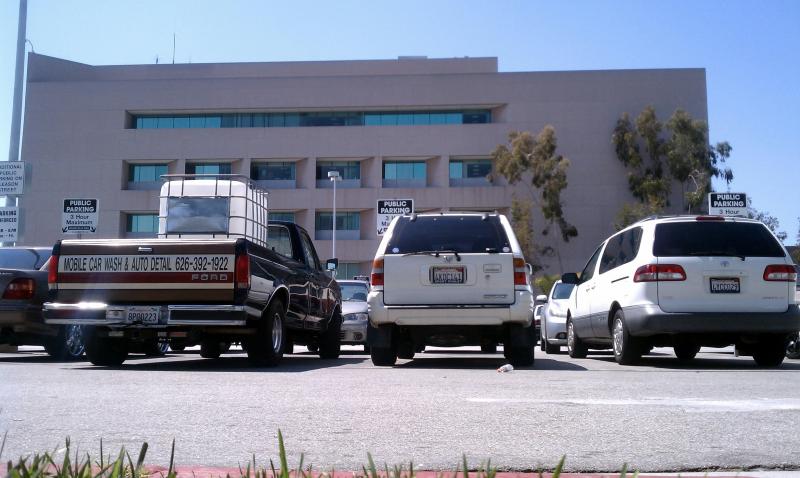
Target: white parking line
[(689, 405)]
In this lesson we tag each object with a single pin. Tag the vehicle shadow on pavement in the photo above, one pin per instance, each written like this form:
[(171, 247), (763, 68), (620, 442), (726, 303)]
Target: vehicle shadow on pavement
[(720, 362), (480, 363), (226, 363)]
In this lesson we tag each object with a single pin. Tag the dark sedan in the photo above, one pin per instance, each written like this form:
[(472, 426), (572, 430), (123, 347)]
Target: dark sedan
[(23, 280)]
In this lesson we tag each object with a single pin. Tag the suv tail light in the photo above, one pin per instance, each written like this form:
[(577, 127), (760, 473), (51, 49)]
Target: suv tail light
[(52, 271), (659, 272), (520, 272), (376, 279), (19, 289), (780, 273), (242, 271)]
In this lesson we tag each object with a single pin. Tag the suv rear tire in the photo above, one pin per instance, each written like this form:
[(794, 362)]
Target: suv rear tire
[(383, 356), (627, 349), (575, 346), (519, 356)]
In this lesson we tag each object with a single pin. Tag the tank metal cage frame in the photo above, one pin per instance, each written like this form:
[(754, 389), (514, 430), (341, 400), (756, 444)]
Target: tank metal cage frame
[(255, 200)]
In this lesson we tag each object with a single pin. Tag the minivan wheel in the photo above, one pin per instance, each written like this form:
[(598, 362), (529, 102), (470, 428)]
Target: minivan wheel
[(383, 356), (686, 352), (627, 350), (575, 346), (769, 352)]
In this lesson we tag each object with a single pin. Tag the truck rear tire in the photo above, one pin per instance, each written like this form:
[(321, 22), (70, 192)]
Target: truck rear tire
[(67, 345), (265, 348), (330, 341), (211, 349), (104, 351)]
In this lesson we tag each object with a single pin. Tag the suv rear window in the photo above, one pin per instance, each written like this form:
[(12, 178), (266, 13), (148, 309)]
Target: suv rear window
[(464, 234), (715, 239)]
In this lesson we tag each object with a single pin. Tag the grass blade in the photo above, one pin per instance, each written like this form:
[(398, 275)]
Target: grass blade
[(559, 467)]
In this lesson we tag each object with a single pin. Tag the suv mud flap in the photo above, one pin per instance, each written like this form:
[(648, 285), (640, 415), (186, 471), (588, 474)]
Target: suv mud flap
[(519, 336), (380, 336)]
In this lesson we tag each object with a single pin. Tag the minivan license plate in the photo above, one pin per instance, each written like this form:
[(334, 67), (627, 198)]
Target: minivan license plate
[(725, 286), (143, 315), (448, 275)]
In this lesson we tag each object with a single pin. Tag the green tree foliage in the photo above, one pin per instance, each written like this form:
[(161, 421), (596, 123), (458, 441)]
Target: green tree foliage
[(535, 162), (796, 251), (676, 151), (769, 220), (545, 282)]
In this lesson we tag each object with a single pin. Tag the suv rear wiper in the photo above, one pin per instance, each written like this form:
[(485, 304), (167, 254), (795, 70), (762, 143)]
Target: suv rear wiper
[(716, 253), (435, 253)]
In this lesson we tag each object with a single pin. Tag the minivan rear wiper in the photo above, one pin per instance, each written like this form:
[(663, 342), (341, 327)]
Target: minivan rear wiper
[(435, 253), (716, 253)]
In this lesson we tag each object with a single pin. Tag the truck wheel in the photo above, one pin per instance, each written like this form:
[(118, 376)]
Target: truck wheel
[(265, 348), (156, 348), (489, 348), (105, 351), (685, 352), (288, 346), (575, 346), (627, 349), (383, 356), (211, 349), (770, 351), (330, 341), (67, 345)]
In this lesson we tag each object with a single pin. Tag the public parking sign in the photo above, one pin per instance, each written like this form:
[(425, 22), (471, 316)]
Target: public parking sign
[(727, 204), (389, 208), (80, 216)]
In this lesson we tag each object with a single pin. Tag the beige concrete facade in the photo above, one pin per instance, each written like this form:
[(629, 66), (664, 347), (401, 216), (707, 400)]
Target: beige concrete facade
[(78, 139)]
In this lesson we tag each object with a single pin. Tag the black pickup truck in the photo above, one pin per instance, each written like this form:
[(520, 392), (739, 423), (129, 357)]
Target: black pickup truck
[(266, 291)]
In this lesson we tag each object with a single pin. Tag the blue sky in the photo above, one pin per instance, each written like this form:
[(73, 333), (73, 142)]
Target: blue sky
[(750, 50)]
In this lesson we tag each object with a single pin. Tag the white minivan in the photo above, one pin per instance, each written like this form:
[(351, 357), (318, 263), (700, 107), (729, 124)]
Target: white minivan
[(447, 280), (685, 282)]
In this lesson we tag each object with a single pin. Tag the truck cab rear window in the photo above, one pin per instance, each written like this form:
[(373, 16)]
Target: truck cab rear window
[(738, 239), (198, 215), (463, 234)]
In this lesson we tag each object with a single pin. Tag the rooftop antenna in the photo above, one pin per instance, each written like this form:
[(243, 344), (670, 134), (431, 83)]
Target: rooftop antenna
[(173, 48)]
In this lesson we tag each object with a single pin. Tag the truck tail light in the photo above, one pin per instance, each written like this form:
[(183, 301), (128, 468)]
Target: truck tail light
[(780, 273), (20, 289), (376, 279), (659, 273), (242, 271), (520, 272), (52, 271)]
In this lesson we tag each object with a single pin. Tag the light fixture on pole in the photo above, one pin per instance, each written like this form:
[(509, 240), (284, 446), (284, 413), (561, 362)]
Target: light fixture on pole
[(334, 176)]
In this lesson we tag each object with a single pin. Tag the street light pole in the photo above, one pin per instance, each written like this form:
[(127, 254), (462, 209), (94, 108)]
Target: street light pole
[(334, 176)]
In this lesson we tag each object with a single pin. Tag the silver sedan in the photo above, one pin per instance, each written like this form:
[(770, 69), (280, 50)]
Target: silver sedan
[(355, 319), (554, 331)]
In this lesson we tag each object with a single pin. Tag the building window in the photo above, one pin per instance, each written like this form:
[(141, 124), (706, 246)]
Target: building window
[(146, 224), (281, 216), (348, 270), (312, 119), (470, 172), (208, 168), (146, 176), (348, 225), (347, 169), (404, 174), (273, 171)]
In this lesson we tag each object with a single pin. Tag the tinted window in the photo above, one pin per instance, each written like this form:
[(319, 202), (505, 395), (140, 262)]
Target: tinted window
[(437, 233), (30, 259), (310, 253), (588, 271), (621, 249), (707, 238), (562, 291)]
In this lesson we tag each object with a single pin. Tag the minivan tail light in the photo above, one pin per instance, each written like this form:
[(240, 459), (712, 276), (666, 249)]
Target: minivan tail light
[(520, 272), (780, 273), (242, 271), (376, 279), (659, 273), (52, 271), (20, 289)]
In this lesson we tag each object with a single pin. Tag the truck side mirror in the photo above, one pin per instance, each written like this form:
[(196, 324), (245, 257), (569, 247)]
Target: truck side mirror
[(332, 264), (570, 278)]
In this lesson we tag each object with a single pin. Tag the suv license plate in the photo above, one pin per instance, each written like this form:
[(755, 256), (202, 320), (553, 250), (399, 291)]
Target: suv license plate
[(725, 286), (448, 275), (143, 314)]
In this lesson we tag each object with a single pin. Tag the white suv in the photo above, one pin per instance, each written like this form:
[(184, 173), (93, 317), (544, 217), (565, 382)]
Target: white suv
[(447, 280), (685, 282)]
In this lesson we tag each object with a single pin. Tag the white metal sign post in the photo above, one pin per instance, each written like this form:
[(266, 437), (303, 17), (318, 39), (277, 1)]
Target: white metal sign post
[(12, 178), (389, 208), (9, 223), (727, 204), (79, 216)]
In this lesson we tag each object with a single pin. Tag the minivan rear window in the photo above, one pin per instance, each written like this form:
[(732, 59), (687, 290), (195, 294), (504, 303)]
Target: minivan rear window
[(709, 238), (464, 234)]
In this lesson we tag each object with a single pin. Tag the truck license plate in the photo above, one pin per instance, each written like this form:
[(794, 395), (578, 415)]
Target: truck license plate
[(448, 275), (725, 285), (143, 314)]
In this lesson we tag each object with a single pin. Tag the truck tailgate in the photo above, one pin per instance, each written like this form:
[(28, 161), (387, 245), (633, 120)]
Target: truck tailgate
[(145, 271)]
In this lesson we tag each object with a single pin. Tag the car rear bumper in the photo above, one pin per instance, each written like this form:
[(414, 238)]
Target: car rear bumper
[(93, 313), (24, 319), (649, 320), (520, 312)]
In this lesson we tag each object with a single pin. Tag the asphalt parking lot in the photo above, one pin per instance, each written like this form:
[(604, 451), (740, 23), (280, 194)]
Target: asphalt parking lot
[(720, 411)]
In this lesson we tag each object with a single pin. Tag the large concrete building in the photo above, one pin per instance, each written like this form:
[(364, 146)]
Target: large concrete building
[(407, 128)]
